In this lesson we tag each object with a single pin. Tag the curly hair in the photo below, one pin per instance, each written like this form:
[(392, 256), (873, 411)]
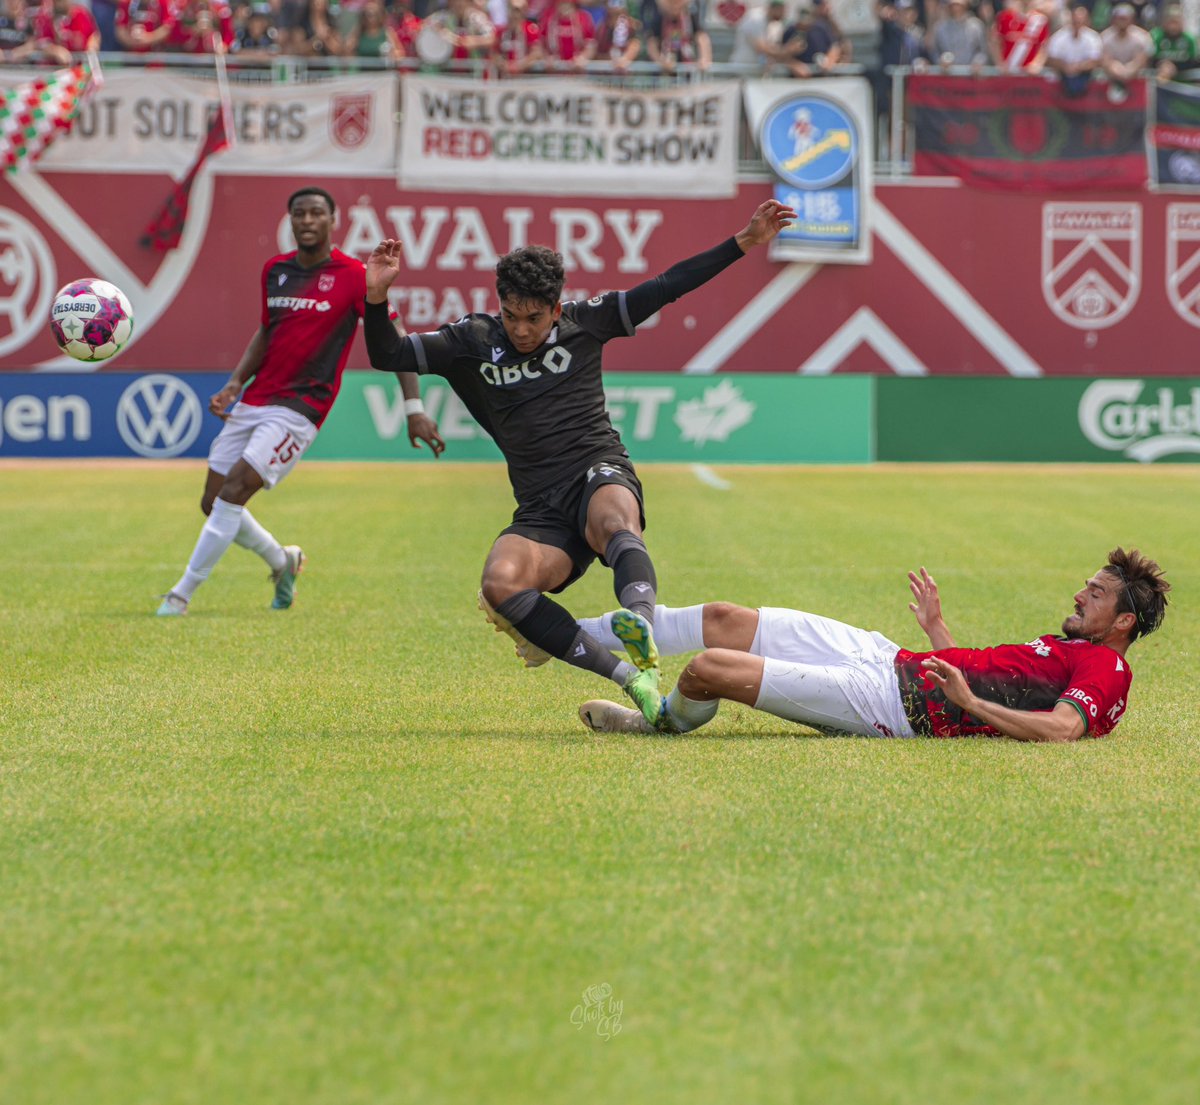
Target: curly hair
[(1144, 594), (530, 273)]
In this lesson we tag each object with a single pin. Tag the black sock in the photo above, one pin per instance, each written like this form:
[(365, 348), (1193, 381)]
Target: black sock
[(542, 622), (634, 581)]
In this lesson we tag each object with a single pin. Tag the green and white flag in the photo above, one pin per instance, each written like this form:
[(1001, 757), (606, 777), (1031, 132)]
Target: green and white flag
[(33, 114)]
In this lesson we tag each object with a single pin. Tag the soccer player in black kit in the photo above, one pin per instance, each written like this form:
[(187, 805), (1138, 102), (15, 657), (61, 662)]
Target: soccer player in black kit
[(531, 377)]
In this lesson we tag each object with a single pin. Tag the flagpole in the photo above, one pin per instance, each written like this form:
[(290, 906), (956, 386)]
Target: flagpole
[(223, 93)]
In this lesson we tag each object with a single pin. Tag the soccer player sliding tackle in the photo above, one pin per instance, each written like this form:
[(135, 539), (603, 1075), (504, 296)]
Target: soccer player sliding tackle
[(531, 377), (839, 679)]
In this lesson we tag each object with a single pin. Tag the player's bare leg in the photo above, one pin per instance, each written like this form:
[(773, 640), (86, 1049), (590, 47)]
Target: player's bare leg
[(517, 573)]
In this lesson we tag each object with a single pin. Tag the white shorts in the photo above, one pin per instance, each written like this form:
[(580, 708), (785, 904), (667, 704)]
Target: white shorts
[(269, 439), (828, 675)]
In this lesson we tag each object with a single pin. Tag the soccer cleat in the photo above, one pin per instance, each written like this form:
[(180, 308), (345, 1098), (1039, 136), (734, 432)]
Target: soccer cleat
[(609, 717), (172, 606), (285, 578), (642, 687), (636, 634), (532, 655)]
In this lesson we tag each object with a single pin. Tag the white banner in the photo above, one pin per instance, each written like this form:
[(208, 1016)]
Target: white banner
[(155, 122), (816, 137), (569, 138)]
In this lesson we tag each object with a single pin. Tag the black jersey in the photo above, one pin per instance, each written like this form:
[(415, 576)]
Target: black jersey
[(545, 409)]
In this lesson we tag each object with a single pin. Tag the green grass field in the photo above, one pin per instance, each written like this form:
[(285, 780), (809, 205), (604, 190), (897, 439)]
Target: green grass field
[(354, 853)]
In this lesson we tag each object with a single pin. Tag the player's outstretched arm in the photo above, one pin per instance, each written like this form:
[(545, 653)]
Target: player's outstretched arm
[(420, 426), (249, 364), (684, 276), (1063, 723), (928, 609)]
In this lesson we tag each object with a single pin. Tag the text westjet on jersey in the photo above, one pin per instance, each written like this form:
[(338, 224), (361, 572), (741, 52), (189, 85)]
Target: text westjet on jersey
[(557, 360)]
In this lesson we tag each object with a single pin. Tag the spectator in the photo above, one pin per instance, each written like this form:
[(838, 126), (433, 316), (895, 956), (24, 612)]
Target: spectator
[(618, 37), (674, 35), (257, 38), (467, 28), (959, 38), (758, 39), (372, 36), (1074, 52), (201, 27), (407, 26), (64, 29), (823, 47), (17, 40), (305, 28), (518, 41), (1174, 48), (1018, 37), (143, 25), (568, 35), (1127, 50)]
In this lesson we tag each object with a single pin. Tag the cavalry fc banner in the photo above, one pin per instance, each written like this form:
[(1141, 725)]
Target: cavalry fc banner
[(1175, 136), (143, 121), (1022, 132), (816, 137), (568, 138)]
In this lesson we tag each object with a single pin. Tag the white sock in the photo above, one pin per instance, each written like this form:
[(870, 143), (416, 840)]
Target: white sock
[(677, 629), (687, 713), (251, 535), (216, 536)]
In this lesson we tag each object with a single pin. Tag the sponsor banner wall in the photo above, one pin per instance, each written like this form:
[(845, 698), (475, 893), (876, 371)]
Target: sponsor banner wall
[(1141, 420), (1019, 132), (745, 419), (816, 137), (567, 137), (155, 415), (153, 122), (961, 282), (1175, 136)]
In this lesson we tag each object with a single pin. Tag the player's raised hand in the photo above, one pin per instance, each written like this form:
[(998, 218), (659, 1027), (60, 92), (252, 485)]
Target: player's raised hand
[(928, 607), (769, 219), (383, 266), (423, 428)]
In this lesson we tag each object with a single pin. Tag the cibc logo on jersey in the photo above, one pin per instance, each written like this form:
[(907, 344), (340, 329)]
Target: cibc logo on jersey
[(556, 360)]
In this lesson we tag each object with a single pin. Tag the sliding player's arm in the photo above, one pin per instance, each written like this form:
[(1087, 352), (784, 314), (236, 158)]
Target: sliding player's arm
[(249, 364), (928, 609), (653, 295), (1063, 723)]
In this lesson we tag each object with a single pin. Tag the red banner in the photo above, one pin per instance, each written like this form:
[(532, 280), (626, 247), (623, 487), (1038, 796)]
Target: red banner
[(962, 281), (1024, 132)]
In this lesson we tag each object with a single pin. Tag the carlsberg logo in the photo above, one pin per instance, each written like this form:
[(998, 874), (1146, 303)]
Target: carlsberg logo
[(1111, 417)]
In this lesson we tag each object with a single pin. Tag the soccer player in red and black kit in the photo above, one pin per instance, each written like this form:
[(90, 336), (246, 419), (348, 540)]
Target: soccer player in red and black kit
[(840, 679), (531, 377), (312, 302)]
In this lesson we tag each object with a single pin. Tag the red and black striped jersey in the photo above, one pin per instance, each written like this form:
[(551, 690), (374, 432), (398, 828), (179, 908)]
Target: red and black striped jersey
[(310, 316), (1034, 676)]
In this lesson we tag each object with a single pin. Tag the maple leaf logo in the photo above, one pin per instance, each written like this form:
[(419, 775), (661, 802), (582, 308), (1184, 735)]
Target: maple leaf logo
[(715, 415)]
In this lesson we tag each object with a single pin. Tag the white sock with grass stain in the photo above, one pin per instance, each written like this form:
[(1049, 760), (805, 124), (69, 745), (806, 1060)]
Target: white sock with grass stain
[(687, 713)]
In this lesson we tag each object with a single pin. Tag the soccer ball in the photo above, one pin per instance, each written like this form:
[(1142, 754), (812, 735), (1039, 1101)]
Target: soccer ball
[(91, 319)]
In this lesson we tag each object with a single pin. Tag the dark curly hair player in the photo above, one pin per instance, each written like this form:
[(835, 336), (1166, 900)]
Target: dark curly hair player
[(531, 377)]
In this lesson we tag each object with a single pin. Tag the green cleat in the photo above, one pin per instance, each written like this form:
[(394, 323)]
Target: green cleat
[(173, 606), (636, 634), (642, 687), (285, 578)]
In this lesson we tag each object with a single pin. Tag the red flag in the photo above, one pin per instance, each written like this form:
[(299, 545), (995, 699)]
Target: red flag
[(165, 231)]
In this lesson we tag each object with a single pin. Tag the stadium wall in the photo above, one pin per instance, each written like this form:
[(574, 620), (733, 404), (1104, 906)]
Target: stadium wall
[(743, 418), (961, 283)]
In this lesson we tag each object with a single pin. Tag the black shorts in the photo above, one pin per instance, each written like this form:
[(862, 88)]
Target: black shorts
[(557, 516)]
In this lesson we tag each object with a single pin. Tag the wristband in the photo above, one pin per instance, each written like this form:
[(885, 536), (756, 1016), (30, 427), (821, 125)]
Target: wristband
[(413, 406)]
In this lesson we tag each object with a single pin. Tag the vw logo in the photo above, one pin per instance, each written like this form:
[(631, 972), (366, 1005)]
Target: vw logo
[(159, 415)]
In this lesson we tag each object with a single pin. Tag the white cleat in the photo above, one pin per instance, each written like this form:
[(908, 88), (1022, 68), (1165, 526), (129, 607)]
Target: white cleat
[(611, 717), (533, 656), (173, 606)]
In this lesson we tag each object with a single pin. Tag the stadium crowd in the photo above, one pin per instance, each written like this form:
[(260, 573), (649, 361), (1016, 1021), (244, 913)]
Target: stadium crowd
[(800, 38)]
